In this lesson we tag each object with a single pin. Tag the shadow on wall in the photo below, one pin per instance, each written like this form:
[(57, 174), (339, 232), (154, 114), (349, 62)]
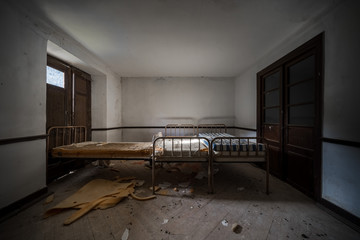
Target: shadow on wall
[(228, 121), (175, 120)]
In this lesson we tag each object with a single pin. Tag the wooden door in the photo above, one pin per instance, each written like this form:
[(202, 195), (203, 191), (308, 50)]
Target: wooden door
[(290, 116), (67, 103), (271, 122)]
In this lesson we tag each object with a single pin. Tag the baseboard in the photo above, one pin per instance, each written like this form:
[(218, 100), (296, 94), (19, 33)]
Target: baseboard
[(340, 214), (18, 206)]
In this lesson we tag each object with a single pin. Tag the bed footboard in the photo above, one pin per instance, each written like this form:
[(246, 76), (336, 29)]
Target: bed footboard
[(211, 128), (65, 135), (181, 149), (180, 130)]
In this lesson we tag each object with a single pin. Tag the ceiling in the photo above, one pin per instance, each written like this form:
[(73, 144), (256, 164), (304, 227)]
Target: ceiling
[(178, 38)]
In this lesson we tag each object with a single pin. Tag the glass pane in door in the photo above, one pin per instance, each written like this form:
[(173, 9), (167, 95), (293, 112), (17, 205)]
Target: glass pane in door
[(303, 115), (272, 98), (272, 115), (303, 70), (302, 92), (272, 81)]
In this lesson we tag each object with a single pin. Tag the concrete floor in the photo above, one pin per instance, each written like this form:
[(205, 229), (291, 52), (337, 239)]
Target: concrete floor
[(187, 213)]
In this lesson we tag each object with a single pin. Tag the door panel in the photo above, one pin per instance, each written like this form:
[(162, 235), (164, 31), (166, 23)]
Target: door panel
[(272, 132), (271, 121), (82, 102), (300, 121), (300, 172), (301, 136), (55, 106)]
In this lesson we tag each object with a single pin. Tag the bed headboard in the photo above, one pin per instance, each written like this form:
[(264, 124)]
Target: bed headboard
[(180, 130), (65, 135), (211, 128)]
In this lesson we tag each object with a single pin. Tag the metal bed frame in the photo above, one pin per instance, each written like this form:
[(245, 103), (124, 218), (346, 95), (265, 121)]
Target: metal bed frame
[(223, 156), (176, 133)]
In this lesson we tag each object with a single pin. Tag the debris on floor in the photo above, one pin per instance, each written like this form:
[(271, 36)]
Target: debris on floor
[(157, 188), (121, 179), (163, 192), (304, 235), (125, 235), (97, 194), (139, 183), (239, 189), (225, 223), (236, 228), (201, 175), (102, 163), (49, 199), (184, 184), (164, 185)]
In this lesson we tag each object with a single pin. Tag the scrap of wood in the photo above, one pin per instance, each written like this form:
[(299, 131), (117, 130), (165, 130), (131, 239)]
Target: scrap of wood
[(122, 179), (142, 198), (49, 199), (157, 188), (114, 169), (163, 192)]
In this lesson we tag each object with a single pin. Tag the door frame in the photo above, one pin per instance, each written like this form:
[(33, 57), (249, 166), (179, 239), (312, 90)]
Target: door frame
[(315, 45)]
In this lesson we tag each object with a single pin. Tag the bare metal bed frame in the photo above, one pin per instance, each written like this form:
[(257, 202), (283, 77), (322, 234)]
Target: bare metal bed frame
[(180, 134), (222, 156)]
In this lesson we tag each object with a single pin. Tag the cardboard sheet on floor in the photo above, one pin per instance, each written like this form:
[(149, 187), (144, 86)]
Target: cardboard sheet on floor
[(97, 194)]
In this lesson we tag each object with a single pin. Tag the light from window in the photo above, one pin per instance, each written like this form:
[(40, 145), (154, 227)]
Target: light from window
[(55, 77)]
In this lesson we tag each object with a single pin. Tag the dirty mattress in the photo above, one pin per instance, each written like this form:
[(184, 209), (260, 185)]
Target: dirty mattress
[(101, 150)]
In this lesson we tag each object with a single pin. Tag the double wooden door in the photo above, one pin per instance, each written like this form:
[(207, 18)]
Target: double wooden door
[(68, 102), (290, 116)]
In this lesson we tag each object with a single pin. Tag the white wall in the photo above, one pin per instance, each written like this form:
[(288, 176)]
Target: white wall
[(22, 170), (342, 51), (160, 101), (114, 108), (98, 109), (22, 107), (341, 84), (106, 108)]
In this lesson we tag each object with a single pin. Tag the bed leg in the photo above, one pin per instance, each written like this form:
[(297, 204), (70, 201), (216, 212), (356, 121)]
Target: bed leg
[(267, 174), (211, 176), (153, 173)]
